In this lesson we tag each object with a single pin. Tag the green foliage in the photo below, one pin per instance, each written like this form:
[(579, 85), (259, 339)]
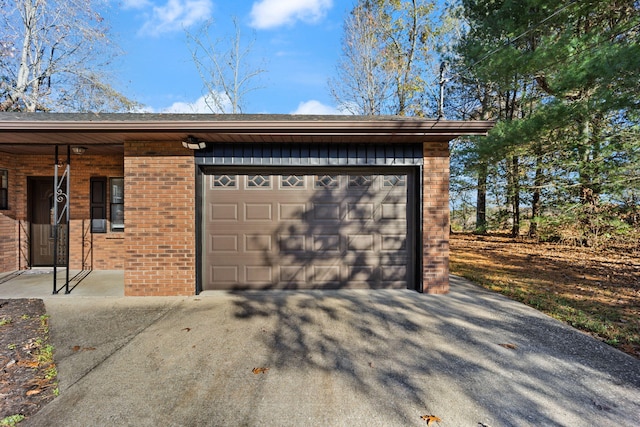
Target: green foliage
[(11, 420), (51, 373), (563, 83), (577, 226)]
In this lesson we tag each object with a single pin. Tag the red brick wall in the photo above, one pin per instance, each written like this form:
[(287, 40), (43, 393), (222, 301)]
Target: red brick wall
[(8, 222), (108, 248), (97, 251), (159, 219), (435, 225), (157, 249)]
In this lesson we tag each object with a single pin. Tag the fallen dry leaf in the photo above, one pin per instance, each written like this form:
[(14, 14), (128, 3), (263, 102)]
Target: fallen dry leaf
[(186, 329), (259, 370), (29, 363), (430, 419), (34, 392), (509, 346), (77, 348)]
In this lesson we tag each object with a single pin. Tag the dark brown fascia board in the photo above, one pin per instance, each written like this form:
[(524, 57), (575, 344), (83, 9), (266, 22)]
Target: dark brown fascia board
[(410, 126)]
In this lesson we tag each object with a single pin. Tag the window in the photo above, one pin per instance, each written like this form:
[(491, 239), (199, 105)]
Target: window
[(117, 204), (224, 181), (258, 181), (327, 181), (4, 189), (359, 181), (291, 181), (98, 205)]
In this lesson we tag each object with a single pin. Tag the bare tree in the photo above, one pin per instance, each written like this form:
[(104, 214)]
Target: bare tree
[(386, 66), (224, 67), (55, 55), (363, 83)]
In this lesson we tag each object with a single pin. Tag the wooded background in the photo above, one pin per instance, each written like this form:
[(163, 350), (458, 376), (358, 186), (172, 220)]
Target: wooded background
[(561, 80)]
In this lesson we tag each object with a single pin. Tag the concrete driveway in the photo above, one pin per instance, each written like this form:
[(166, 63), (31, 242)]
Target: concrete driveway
[(341, 358)]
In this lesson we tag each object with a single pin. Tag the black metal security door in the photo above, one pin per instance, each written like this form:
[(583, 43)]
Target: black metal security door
[(61, 188)]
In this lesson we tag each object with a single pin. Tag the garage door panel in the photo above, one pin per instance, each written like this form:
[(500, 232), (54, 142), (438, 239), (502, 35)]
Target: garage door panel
[(291, 231), (258, 274), (224, 243), (393, 276), (295, 274), (393, 211), (360, 242), (258, 212), (329, 243), (223, 212), (292, 243), (327, 211), (362, 273), (393, 242), (224, 274), (258, 243), (326, 274), (360, 211), (291, 211)]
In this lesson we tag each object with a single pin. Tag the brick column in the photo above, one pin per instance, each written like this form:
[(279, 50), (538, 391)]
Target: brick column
[(160, 234), (8, 223), (435, 223)]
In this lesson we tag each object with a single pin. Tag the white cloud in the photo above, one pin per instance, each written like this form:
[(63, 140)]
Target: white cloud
[(135, 4), (316, 107), (274, 13), (199, 106), (175, 15)]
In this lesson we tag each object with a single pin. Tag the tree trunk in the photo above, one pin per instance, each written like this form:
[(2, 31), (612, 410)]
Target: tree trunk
[(535, 198), (590, 170), (481, 200), (514, 196)]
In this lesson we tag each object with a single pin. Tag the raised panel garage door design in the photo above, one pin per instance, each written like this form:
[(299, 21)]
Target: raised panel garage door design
[(320, 231)]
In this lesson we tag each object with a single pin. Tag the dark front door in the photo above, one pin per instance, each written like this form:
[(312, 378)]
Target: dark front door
[(40, 198)]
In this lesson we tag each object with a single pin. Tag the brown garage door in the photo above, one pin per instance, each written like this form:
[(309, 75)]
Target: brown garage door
[(306, 231)]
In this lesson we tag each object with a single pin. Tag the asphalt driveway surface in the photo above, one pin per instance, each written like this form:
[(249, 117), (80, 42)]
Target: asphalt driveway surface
[(339, 358)]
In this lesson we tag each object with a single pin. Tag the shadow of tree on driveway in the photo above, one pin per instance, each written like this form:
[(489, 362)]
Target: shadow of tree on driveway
[(393, 355)]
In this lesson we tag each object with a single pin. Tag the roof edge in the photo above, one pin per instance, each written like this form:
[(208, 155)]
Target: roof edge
[(239, 124)]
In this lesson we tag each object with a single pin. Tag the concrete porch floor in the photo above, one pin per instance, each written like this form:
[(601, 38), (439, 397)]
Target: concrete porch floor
[(38, 283)]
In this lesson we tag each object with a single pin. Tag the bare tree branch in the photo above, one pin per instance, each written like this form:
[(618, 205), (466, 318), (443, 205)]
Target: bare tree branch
[(54, 46), (224, 68)]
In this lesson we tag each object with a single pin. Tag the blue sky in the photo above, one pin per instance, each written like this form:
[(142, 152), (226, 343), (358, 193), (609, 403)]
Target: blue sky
[(297, 42)]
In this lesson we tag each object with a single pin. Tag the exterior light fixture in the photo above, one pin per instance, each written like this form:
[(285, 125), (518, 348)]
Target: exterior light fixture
[(78, 150), (192, 143)]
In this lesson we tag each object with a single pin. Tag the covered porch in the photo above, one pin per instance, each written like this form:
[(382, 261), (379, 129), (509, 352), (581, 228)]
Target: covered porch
[(38, 283)]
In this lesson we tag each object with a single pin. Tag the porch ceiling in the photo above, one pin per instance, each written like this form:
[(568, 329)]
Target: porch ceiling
[(32, 133)]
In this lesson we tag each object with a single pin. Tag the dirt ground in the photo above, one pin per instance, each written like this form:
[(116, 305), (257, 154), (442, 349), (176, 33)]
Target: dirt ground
[(597, 291), (27, 379)]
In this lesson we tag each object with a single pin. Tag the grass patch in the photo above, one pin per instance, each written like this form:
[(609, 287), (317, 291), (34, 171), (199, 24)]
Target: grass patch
[(563, 283), (11, 420)]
